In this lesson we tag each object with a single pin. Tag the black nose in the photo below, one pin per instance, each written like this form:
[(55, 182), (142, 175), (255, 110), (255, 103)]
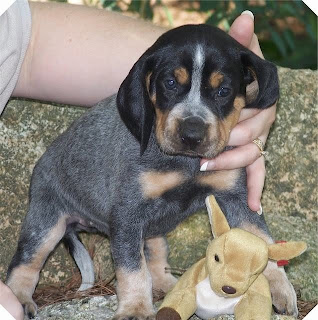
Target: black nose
[(192, 131), (228, 289)]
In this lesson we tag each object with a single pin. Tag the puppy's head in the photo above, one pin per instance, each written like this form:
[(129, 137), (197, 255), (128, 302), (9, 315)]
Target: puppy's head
[(190, 87)]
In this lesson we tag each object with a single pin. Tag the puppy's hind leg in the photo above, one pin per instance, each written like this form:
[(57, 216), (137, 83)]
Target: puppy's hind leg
[(39, 236)]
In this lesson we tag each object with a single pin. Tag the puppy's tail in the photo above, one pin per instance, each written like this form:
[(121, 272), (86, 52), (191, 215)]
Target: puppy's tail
[(82, 259)]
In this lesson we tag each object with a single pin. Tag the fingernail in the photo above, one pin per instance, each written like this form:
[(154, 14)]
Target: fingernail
[(260, 211), (248, 12), (209, 165), (204, 166)]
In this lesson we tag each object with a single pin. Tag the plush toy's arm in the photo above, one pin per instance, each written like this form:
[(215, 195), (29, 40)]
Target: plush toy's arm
[(180, 302), (256, 303)]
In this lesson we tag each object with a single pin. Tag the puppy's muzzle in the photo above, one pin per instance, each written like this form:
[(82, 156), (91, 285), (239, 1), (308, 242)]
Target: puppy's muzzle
[(192, 131)]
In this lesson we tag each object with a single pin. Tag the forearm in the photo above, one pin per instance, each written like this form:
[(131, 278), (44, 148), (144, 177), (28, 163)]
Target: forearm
[(80, 55)]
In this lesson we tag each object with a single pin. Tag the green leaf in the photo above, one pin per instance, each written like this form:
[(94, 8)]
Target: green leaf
[(168, 15), (277, 39), (208, 5), (289, 38), (299, 4)]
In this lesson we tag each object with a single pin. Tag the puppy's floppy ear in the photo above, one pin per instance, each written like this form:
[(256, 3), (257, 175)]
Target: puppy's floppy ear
[(261, 78), (133, 102)]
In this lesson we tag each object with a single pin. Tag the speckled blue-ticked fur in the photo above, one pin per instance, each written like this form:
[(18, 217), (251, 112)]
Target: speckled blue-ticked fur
[(129, 167)]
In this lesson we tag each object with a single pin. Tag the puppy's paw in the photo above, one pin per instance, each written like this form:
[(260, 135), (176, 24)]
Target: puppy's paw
[(283, 294), (136, 310), (30, 309), (284, 298), (134, 317)]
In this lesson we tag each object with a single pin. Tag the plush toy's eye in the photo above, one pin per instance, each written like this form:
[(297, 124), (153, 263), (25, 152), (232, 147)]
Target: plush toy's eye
[(224, 92), (216, 258), (170, 84)]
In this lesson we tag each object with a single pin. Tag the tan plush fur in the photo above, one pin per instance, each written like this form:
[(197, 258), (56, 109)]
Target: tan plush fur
[(235, 260)]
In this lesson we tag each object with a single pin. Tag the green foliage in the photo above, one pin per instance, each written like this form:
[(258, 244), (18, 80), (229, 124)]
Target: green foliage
[(142, 7), (279, 44)]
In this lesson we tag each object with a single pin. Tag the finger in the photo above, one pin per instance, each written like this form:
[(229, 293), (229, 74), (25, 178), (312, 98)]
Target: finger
[(254, 46), (252, 128), (248, 113), (255, 183), (239, 157), (242, 29)]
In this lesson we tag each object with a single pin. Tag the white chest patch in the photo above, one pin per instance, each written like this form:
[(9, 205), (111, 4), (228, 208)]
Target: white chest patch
[(209, 304)]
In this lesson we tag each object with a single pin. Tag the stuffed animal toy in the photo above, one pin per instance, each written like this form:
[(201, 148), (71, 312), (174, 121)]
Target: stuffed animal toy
[(229, 279)]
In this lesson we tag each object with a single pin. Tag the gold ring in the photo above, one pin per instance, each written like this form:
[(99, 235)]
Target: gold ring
[(260, 145)]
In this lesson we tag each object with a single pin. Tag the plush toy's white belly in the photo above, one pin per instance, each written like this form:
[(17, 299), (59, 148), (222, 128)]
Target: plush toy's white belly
[(209, 304)]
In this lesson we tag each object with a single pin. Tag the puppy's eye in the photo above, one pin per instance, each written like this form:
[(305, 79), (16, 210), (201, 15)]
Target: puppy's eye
[(216, 258), (224, 92), (170, 84)]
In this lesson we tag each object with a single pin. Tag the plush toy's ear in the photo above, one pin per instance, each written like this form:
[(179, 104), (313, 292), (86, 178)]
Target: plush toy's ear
[(261, 79), (286, 250), (219, 224), (133, 101)]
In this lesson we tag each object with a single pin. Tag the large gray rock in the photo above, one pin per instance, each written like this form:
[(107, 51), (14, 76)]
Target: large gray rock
[(289, 199), (100, 308)]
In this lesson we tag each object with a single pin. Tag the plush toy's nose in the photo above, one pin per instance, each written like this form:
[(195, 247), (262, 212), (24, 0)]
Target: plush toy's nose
[(228, 290)]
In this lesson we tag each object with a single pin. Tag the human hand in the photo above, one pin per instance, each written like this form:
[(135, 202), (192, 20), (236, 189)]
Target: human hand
[(10, 302), (252, 124)]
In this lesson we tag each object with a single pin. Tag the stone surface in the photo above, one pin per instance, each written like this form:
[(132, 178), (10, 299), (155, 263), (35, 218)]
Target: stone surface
[(100, 308), (289, 199)]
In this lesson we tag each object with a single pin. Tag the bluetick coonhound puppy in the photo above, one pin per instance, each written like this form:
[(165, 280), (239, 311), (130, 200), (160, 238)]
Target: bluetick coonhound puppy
[(129, 167)]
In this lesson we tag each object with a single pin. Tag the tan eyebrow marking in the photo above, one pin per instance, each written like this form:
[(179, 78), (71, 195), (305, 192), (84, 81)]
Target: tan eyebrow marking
[(182, 75), (216, 79)]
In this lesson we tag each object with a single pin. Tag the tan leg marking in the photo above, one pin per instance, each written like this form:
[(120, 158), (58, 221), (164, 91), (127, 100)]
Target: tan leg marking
[(134, 291), (216, 79), (220, 180), (162, 280), (154, 184), (283, 293), (226, 125), (182, 75), (24, 278)]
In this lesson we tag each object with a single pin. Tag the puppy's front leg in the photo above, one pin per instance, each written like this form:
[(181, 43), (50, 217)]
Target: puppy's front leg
[(134, 285), (283, 293)]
